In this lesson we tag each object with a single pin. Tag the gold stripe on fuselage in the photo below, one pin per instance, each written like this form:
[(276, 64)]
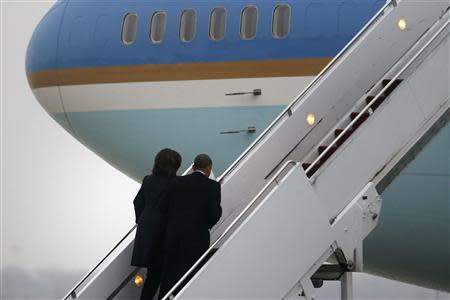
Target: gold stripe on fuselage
[(178, 72)]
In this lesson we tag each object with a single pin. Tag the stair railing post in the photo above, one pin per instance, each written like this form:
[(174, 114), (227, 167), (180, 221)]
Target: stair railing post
[(347, 286)]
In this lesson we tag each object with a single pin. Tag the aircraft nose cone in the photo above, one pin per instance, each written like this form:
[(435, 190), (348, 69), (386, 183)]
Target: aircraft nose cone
[(42, 48), (42, 63)]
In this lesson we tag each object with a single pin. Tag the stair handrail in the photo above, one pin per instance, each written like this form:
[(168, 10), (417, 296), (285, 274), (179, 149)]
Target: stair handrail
[(368, 106), (288, 109), (228, 230), (72, 293)]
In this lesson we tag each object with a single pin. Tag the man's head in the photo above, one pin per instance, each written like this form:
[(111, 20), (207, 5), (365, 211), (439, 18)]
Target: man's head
[(203, 163)]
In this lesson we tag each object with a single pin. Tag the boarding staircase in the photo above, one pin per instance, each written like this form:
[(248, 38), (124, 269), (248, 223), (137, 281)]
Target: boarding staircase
[(298, 203)]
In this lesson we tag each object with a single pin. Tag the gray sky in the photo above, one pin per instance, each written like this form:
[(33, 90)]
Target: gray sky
[(62, 207)]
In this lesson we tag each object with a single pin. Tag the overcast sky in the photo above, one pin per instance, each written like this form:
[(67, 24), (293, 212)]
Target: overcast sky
[(63, 207)]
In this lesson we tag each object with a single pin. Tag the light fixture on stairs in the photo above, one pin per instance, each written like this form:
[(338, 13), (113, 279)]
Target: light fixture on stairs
[(311, 119), (402, 24), (138, 280)]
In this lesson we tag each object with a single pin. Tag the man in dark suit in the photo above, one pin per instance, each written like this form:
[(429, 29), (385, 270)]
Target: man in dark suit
[(193, 209)]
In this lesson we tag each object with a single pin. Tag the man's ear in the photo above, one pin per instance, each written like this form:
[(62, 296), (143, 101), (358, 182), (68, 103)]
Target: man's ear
[(209, 170)]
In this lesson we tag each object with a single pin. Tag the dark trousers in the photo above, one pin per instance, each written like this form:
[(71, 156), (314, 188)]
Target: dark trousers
[(176, 265), (152, 281)]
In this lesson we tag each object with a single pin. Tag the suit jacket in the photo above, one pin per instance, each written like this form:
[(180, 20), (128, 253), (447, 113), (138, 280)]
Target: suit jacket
[(193, 205), (150, 219)]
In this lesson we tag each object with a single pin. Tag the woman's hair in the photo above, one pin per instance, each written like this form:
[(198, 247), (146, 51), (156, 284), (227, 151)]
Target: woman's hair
[(167, 162)]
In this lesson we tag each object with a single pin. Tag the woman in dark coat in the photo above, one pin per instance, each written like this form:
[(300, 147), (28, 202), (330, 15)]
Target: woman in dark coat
[(151, 221)]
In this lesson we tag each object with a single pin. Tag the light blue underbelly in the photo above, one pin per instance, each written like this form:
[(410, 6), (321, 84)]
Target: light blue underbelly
[(129, 140), (411, 242)]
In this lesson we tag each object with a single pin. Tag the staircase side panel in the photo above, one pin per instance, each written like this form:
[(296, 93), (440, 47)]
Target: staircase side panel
[(268, 254), (387, 132)]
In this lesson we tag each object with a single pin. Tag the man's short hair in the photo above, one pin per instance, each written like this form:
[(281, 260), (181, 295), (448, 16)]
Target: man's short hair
[(202, 161)]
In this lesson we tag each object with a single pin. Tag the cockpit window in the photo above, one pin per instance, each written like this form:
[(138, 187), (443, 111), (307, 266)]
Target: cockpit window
[(218, 24), (158, 27), (281, 24), (188, 25), (129, 28), (249, 22)]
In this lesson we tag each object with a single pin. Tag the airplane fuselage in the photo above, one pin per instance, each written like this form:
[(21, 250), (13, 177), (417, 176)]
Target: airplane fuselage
[(127, 78)]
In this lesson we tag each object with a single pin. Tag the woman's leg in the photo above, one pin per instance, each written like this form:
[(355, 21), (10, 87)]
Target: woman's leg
[(145, 294), (152, 281)]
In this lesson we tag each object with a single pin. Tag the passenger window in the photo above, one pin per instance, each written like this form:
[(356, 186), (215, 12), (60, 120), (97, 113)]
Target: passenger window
[(281, 24), (129, 28), (218, 24), (188, 25), (249, 22), (158, 27)]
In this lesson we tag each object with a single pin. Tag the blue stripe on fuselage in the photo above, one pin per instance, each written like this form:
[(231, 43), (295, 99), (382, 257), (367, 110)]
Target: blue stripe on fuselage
[(91, 31)]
